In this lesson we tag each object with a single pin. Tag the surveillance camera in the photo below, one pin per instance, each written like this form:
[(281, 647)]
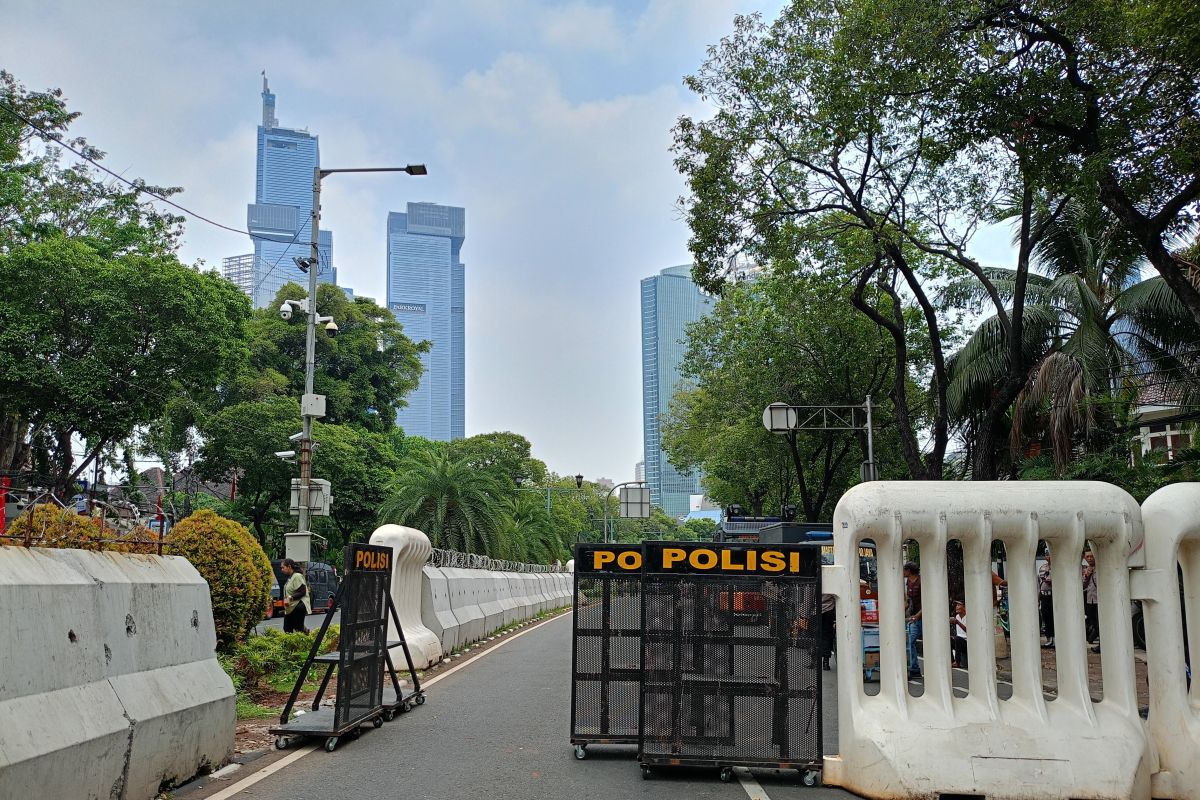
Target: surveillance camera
[(331, 328), (285, 311), (285, 453), (295, 437)]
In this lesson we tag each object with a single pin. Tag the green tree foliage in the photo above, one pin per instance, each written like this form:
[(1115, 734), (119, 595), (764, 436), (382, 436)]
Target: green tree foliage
[(504, 453), (1096, 335), (364, 372), (455, 505), (240, 442), (94, 346), (784, 338), (1097, 99), (361, 465), (89, 277), (237, 570), (700, 529)]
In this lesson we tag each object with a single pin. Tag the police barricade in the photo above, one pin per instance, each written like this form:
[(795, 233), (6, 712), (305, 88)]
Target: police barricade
[(606, 645), (897, 745), (731, 649), (1171, 581), (362, 659)]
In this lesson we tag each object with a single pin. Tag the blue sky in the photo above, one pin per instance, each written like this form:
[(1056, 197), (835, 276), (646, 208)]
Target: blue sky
[(550, 122)]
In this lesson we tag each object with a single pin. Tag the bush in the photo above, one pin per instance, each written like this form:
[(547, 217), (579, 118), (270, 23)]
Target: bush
[(49, 525), (236, 568)]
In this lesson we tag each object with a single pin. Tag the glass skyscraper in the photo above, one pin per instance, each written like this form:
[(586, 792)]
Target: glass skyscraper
[(669, 302), (280, 217), (425, 291)]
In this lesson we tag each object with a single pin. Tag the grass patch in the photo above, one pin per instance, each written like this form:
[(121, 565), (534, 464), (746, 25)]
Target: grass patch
[(271, 662)]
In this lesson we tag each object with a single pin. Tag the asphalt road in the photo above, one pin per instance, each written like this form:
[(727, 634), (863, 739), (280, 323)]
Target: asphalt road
[(499, 728), (312, 622)]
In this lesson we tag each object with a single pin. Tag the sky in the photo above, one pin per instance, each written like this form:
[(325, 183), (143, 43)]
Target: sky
[(550, 122)]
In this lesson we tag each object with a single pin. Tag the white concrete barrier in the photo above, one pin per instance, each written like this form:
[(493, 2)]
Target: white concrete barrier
[(464, 599), (410, 548), (1172, 519), (436, 612), (896, 745), (489, 601), (109, 685)]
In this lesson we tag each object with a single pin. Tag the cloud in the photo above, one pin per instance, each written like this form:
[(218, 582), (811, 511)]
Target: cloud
[(582, 27)]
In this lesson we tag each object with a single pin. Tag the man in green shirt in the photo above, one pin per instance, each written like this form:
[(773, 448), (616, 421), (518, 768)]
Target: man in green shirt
[(297, 603)]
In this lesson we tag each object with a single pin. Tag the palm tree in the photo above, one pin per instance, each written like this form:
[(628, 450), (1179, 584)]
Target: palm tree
[(456, 505), (1096, 335), (526, 531)]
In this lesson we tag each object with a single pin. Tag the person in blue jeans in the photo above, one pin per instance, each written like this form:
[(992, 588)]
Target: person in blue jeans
[(912, 613)]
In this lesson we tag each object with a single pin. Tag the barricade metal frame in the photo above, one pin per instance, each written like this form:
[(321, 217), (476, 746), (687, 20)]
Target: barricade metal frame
[(721, 644), (362, 659), (606, 628)]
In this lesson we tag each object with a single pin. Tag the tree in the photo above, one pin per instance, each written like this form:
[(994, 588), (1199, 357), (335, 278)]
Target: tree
[(506, 454), (700, 529), (454, 504), (362, 466), (364, 372), (240, 442), (784, 338), (1096, 334), (42, 200), (94, 346)]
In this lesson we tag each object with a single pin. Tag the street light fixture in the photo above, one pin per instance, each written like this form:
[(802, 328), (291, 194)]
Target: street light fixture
[(299, 544)]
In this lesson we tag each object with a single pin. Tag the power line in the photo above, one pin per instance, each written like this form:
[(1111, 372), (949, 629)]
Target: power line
[(141, 188)]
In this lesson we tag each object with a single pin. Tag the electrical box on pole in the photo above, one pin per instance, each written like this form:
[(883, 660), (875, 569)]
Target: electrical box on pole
[(319, 497)]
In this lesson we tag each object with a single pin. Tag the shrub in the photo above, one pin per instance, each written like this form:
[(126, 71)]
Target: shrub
[(236, 568), (49, 525)]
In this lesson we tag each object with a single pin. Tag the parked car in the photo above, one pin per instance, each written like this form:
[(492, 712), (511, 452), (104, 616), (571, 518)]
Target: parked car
[(322, 583)]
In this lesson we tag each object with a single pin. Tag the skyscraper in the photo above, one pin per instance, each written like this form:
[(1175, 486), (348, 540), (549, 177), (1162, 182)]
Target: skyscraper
[(280, 217), (669, 302), (426, 293)]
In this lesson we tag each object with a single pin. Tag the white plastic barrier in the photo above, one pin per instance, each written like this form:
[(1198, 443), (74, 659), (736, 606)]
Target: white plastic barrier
[(436, 611), (109, 685), (896, 745), (1172, 519), (410, 548)]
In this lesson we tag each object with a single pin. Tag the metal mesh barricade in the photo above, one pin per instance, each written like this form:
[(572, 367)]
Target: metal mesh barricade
[(606, 646), (731, 655), (363, 641)]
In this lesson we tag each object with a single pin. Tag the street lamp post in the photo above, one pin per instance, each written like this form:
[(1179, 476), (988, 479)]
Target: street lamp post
[(312, 405)]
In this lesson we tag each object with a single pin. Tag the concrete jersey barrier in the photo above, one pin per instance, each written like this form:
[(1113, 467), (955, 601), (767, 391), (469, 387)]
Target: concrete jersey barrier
[(109, 685)]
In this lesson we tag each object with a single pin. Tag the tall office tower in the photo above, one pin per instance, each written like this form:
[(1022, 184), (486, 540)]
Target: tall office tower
[(639, 471), (280, 217), (426, 294), (669, 302)]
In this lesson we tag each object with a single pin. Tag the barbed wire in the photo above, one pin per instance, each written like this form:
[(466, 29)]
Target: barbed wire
[(458, 560)]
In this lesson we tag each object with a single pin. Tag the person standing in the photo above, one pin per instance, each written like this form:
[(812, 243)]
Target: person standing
[(912, 612), (958, 634), (1091, 598), (1046, 601), (297, 603)]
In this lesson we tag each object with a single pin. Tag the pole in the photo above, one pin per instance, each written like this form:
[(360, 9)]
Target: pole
[(5, 482), (310, 353), (870, 440), (547, 501)]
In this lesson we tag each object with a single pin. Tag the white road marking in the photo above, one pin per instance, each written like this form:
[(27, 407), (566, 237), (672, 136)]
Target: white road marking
[(746, 779), (274, 767)]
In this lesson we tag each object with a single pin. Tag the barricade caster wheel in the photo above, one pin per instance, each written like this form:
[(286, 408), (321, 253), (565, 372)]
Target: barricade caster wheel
[(330, 744), (420, 699), (378, 722), (357, 732), (407, 706), (282, 742), (646, 773), (389, 715), (581, 751), (726, 774), (810, 777)]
